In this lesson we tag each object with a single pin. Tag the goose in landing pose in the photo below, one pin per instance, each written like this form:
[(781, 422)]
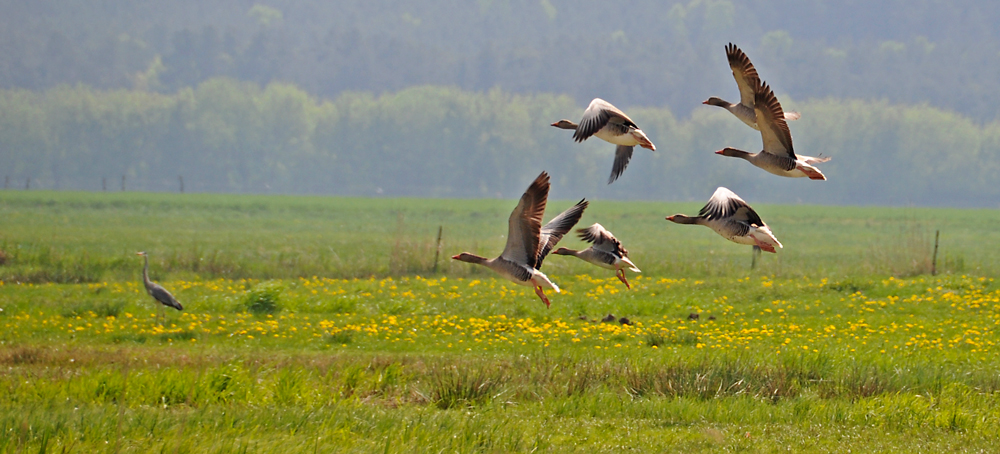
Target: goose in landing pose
[(746, 77), (158, 293), (777, 157), (731, 217), (610, 124), (606, 251), (528, 241)]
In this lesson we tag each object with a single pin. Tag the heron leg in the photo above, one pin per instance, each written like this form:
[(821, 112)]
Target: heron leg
[(541, 294), (621, 276)]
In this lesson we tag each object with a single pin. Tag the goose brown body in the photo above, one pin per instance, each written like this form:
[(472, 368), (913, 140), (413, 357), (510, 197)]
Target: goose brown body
[(778, 155), (607, 122), (732, 218), (746, 77), (606, 251)]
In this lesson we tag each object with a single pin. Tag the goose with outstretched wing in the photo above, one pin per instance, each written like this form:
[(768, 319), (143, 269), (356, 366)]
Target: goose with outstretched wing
[(728, 215), (605, 251), (777, 156), (746, 77), (607, 122), (528, 241)]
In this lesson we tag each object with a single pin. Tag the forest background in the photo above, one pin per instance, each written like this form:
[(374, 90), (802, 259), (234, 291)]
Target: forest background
[(454, 99)]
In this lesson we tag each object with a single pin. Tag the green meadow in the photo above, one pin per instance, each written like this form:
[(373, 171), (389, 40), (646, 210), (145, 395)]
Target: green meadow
[(318, 324)]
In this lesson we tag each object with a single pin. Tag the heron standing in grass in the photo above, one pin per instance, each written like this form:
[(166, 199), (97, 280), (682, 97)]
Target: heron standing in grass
[(156, 290)]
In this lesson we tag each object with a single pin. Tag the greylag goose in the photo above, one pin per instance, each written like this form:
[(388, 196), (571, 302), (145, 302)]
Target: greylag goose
[(528, 241), (731, 217), (607, 122), (746, 77), (777, 157), (606, 251), (155, 290)]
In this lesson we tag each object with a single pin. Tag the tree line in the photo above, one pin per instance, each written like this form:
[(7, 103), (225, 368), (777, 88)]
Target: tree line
[(226, 135), (652, 53)]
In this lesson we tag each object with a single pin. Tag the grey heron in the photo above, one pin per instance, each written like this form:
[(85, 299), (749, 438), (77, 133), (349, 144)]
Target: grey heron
[(155, 290)]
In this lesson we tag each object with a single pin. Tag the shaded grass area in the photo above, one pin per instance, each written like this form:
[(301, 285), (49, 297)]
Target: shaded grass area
[(160, 376), (74, 237), (233, 401)]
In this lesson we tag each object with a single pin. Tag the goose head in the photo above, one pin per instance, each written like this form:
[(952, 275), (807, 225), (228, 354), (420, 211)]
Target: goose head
[(732, 152), (714, 101), (565, 124), (467, 257), (682, 219)]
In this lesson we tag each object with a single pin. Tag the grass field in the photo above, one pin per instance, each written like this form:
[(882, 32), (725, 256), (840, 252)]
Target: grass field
[(318, 325)]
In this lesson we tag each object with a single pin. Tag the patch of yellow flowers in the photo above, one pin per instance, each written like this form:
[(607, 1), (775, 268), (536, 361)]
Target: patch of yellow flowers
[(916, 316)]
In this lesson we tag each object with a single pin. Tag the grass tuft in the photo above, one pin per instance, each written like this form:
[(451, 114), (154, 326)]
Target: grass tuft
[(264, 298), (452, 387)]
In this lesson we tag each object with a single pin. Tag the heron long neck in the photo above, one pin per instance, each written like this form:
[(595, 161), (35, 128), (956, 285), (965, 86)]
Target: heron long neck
[(145, 270)]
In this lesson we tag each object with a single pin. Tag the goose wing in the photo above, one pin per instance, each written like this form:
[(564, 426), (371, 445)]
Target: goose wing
[(744, 73), (602, 239), (813, 160), (554, 230), (726, 205), (525, 223), (623, 154), (599, 114), (771, 120)]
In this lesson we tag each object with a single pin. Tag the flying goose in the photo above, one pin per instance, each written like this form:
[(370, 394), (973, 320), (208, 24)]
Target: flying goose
[(731, 217), (607, 122), (155, 290), (606, 251), (746, 77), (528, 241), (777, 156)]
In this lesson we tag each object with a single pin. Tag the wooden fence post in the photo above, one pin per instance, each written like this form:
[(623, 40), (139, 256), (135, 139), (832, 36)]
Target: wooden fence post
[(937, 234), (437, 252)]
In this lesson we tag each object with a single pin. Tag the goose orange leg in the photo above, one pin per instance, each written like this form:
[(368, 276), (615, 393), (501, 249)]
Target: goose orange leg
[(765, 246), (541, 294), (621, 276)]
